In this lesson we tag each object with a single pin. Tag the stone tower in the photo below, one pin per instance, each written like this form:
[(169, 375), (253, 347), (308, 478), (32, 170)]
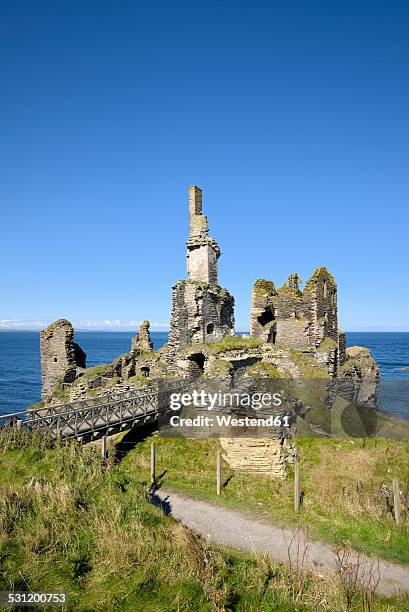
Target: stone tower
[(299, 319), (201, 310), (60, 356), (202, 251), (294, 318)]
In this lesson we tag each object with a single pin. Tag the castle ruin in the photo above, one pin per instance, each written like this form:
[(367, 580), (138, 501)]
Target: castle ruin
[(201, 310), (60, 356), (298, 319), (293, 335)]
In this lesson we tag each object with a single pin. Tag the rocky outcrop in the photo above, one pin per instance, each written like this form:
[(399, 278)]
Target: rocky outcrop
[(359, 364), (361, 371), (142, 341), (61, 357)]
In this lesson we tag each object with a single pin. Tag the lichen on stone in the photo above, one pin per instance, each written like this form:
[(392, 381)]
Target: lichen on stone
[(261, 285)]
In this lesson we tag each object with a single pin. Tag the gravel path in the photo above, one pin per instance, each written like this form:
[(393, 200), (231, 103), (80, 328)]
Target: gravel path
[(239, 530)]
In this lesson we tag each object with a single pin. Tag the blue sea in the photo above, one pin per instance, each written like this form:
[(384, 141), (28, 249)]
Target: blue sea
[(20, 375)]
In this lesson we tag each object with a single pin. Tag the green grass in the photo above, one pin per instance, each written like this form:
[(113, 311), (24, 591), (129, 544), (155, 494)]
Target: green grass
[(146, 356), (231, 343), (327, 345), (307, 365), (69, 523), (138, 378), (95, 371), (263, 369), (61, 394), (341, 483)]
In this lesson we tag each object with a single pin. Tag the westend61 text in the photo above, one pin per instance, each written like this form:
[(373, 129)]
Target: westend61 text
[(208, 401), (230, 421)]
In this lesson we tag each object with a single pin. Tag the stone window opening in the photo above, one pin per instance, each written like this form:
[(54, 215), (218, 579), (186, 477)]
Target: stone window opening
[(145, 372), (272, 334), (210, 328), (267, 316), (199, 360), (55, 360), (325, 287)]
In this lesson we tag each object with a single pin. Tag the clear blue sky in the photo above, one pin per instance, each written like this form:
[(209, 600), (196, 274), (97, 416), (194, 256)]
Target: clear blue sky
[(292, 117)]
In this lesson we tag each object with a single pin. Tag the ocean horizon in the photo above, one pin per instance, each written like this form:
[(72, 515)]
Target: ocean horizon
[(20, 370)]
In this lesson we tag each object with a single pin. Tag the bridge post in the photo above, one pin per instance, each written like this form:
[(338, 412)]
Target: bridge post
[(219, 473), (104, 448), (396, 500), (297, 488), (153, 462)]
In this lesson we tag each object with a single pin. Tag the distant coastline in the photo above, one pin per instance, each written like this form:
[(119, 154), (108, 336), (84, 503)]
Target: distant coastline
[(20, 374), (166, 329)]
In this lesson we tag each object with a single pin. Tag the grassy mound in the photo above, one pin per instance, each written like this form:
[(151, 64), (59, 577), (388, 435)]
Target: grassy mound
[(69, 523), (231, 343)]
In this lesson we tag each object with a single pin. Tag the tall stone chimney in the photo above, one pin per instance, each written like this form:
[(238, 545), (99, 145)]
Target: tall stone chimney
[(201, 310), (202, 251)]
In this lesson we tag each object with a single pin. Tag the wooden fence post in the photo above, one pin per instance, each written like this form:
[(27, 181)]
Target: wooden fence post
[(153, 462), (396, 499), (297, 488), (104, 448), (219, 473)]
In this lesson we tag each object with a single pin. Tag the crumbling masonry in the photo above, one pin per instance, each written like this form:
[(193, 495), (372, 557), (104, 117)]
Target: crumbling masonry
[(201, 310), (298, 319), (142, 341), (60, 356)]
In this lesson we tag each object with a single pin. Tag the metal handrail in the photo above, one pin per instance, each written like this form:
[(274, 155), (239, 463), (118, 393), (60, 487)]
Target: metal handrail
[(73, 416)]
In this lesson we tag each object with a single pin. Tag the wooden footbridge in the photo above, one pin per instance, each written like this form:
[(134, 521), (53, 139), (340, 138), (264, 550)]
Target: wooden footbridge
[(91, 417)]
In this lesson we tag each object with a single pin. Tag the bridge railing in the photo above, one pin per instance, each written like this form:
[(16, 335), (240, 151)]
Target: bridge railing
[(92, 414), (46, 411)]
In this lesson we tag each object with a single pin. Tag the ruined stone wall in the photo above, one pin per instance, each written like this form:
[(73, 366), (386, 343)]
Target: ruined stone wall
[(342, 348), (200, 313), (60, 356), (292, 318), (263, 315), (293, 333), (293, 325), (321, 294)]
